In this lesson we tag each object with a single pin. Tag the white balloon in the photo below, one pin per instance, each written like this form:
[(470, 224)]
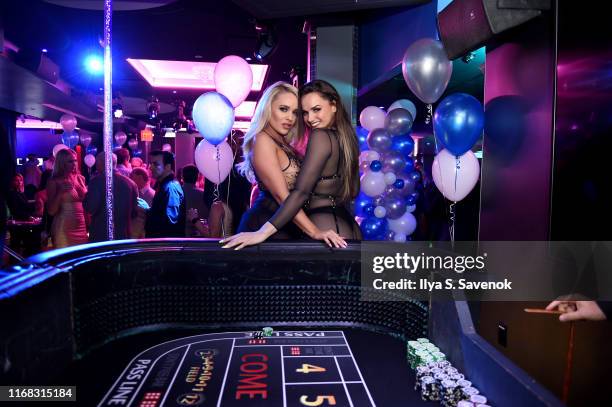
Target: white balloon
[(372, 117), (167, 147), (90, 160), (215, 166), (373, 155), (59, 147), (404, 104), (399, 237), (390, 178), (454, 176), (411, 208), (380, 212), (406, 224), (373, 183)]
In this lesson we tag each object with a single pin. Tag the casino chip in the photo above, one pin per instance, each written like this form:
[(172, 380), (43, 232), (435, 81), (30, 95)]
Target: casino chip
[(267, 331)]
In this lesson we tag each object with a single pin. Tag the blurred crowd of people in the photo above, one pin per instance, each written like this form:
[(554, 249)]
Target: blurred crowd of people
[(150, 200)]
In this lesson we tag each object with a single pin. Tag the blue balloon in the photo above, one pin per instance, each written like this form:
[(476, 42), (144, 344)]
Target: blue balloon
[(93, 150), (71, 139), (399, 183), (368, 210), (409, 165), (376, 166), (411, 199), (458, 122), (361, 201), (213, 115), (374, 228), (415, 176), (362, 136), (404, 144)]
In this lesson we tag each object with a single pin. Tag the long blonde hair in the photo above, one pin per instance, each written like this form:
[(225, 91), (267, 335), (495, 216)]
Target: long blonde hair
[(61, 159), (347, 138), (259, 121)]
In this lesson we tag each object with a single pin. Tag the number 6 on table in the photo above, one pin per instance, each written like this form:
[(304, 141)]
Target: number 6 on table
[(331, 401)]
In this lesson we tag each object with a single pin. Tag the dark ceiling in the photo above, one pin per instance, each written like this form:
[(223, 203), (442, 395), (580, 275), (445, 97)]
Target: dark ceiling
[(192, 30)]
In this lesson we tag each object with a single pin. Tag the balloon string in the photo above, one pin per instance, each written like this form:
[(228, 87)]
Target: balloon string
[(451, 225), (429, 114)]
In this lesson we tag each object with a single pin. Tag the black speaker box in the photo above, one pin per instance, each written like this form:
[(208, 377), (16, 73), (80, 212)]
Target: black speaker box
[(466, 25)]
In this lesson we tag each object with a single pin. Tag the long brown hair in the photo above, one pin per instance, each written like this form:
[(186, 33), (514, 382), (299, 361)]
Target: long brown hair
[(347, 138)]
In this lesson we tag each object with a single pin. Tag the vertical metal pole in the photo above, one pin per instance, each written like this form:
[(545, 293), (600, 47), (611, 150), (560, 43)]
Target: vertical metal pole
[(108, 117)]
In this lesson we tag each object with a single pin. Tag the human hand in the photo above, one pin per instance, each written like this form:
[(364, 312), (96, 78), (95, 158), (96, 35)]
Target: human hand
[(577, 310), (243, 239), (331, 238)]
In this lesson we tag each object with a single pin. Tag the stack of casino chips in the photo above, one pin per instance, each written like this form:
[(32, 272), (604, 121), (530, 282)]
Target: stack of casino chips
[(438, 380), (422, 351)]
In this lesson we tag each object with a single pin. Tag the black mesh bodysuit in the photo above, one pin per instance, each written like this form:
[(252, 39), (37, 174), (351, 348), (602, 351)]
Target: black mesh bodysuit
[(318, 187), (265, 205)]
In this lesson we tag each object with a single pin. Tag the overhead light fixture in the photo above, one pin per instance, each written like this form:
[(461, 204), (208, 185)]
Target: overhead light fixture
[(266, 41), (117, 107), (94, 65), (153, 108)]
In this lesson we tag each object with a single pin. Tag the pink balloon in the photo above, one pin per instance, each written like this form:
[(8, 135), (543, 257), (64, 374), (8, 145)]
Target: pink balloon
[(233, 78), (214, 162), (68, 122), (372, 117), (90, 160), (455, 180), (59, 147)]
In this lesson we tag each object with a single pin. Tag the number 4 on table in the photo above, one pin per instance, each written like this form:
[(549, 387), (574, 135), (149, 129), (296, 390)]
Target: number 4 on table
[(306, 368)]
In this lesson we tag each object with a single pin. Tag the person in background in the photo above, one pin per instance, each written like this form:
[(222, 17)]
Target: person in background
[(17, 201), (123, 162), (194, 197), (136, 162), (40, 198), (31, 174), (166, 216), (65, 191), (125, 194), (141, 177), (218, 224)]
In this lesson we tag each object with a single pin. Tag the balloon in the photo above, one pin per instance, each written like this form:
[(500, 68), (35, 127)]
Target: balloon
[(406, 224), (411, 199), (403, 144), (379, 139), (394, 205), (378, 200), (372, 117), (370, 155), (70, 138), (390, 235), (409, 185), (426, 69), (380, 212), (85, 139), (137, 153), (399, 238), (393, 161), (214, 162), (404, 104), (373, 183), (68, 122), (409, 165), (399, 183), (364, 166), (389, 190), (59, 147), (455, 179), (167, 147), (93, 150), (213, 115), (368, 210), (361, 201), (376, 166), (89, 160), (233, 79), (398, 121), (458, 122), (390, 178), (374, 228), (411, 208), (120, 138), (133, 143), (428, 145), (415, 176), (362, 136)]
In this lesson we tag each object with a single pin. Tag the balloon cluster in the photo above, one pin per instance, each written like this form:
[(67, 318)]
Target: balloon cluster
[(388, 177), (213, 114), (70, 139)]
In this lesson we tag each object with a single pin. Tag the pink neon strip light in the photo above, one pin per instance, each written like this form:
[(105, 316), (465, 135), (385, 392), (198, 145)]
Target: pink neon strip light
[(187, 74)]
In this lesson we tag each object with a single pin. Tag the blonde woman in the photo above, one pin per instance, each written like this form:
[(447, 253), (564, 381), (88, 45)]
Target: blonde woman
[(271, 163), (329, 175), (65, 193)]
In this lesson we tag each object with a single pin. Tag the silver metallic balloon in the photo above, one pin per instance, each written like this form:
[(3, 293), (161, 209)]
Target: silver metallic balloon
[(395, 205), (379, 200), (393, 161), (426, 69), (409, 185), (379, 140), (398, 121)]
